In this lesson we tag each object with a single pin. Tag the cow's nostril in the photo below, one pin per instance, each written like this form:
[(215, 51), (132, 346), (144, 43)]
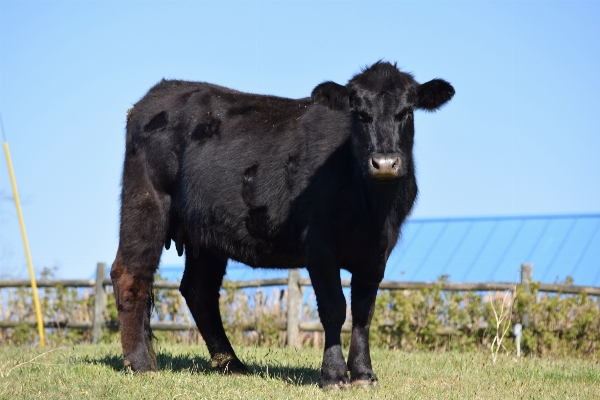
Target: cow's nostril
[(374, 163)]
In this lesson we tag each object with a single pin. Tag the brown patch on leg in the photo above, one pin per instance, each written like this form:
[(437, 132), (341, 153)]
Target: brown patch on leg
[(133, 295)]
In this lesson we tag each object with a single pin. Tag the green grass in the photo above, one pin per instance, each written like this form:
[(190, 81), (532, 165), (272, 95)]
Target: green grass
[(184, 372)]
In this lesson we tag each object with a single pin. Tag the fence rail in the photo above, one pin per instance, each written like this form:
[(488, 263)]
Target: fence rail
[(389, 285), (293, 282)]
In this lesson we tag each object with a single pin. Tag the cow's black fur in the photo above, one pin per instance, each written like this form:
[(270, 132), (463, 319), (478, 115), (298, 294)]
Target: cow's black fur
[(323, 182)]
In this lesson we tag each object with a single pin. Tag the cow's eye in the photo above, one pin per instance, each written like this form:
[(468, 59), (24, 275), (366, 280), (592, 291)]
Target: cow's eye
[(404, 115), (364, 117)]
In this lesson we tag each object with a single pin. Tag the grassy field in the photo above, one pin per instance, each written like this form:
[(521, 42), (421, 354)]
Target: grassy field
[(184, 372)]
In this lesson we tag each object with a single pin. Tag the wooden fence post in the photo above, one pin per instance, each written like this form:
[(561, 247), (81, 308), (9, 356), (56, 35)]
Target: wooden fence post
[(99, 302), (526, 279), (294, 302)]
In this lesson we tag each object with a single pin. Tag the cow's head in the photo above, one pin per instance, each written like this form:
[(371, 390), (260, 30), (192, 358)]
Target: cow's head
[(381, 100)]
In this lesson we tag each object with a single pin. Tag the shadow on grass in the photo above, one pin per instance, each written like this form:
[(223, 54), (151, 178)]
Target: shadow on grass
[(270, 369)]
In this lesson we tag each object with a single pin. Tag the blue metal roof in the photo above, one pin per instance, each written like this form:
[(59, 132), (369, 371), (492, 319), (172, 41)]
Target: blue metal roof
[(493, 249), (480, 250)]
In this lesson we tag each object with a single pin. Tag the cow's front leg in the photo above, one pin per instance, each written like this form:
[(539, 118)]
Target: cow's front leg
[(332, 312), (363, 296)]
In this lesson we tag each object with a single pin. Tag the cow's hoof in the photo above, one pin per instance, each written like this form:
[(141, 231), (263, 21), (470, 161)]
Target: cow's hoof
[(365, 379), (342, 384), (235, 367), (139, 367), (230, 366), (365, 383)]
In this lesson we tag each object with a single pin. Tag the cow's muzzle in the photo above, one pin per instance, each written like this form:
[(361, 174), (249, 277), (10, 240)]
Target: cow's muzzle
[(385, 167)]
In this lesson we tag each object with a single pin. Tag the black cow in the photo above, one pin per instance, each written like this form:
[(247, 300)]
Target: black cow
[(323, 182)]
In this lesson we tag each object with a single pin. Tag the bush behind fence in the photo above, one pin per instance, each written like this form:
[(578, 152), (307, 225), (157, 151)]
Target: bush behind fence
[(431, 317)]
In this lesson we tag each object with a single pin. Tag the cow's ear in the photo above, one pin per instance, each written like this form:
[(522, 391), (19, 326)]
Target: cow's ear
[(434, 94), (332, 95)]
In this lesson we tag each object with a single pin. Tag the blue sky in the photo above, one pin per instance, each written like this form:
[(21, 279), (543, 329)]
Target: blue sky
[(520, 137)]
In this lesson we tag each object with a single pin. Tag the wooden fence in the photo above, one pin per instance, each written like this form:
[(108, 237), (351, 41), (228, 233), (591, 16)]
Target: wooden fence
[(293, 326)]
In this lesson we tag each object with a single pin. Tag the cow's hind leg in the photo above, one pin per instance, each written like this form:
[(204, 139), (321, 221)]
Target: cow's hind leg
[(142, 233), (200, 287)]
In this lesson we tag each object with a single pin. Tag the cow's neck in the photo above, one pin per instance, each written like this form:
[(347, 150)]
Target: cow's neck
[(381, 203)]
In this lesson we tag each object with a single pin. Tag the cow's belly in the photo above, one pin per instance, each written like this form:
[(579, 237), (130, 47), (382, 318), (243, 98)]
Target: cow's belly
[(234, 239), (249, 235), (235, 198), (271, 261)]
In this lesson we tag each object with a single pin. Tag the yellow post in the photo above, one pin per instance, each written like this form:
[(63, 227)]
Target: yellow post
[(36, 300)]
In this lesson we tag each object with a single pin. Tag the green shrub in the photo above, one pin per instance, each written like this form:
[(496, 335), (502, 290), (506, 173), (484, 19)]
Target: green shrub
[(560, 324), (432, 319)]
